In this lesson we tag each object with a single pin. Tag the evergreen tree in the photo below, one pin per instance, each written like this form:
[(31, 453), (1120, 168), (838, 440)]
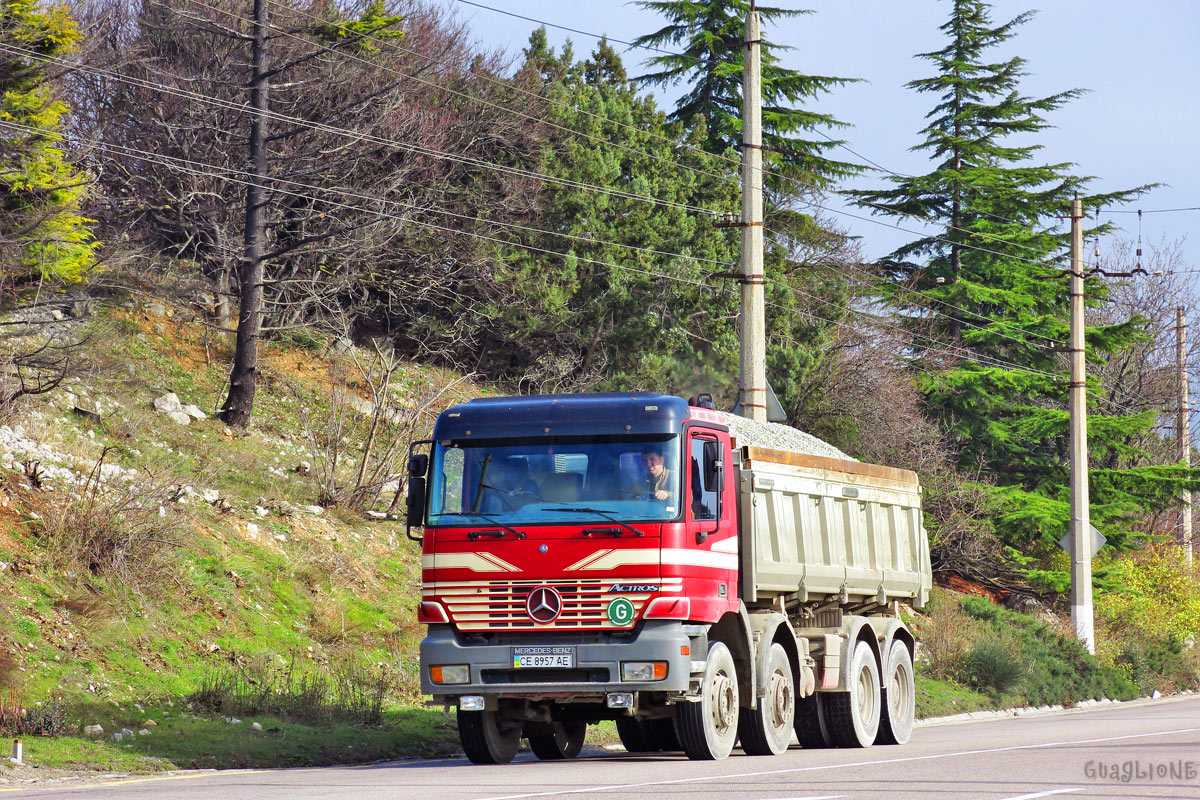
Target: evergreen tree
[(711, 35), (989, 285), (43, 233)]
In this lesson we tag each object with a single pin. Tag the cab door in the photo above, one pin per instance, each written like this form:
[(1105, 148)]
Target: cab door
[(710, 543)]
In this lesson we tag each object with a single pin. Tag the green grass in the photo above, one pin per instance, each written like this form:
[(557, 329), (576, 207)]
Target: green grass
[(938, 698), (181, 740)]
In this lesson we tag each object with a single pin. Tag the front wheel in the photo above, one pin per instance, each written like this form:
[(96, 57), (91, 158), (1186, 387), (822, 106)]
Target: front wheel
[(852, 717), (564, 741), (486, 739), (708, 729), (899, 697), (767, 730)]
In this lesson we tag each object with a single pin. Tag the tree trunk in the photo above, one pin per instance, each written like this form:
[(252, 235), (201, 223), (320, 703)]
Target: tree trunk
[(239, 404)]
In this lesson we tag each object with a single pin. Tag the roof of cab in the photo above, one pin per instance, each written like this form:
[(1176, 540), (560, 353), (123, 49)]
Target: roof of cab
[(613, 413)]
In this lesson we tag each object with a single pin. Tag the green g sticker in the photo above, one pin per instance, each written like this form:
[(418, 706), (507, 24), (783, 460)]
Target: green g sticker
[(620, 612)]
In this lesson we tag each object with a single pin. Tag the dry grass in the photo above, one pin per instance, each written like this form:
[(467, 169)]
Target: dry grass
[(126, 532), (946, 635)]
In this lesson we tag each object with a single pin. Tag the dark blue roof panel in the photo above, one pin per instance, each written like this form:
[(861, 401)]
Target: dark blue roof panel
[(632, 413)]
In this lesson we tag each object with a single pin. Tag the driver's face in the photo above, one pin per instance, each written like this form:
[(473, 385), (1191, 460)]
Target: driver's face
[(654, 465)]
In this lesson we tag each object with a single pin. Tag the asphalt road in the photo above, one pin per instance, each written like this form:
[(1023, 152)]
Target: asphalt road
[(1144, 750)]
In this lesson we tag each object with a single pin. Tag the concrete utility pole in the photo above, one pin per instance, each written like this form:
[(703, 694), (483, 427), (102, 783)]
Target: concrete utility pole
[(1081, 543), (1182, 426), (753, 378)]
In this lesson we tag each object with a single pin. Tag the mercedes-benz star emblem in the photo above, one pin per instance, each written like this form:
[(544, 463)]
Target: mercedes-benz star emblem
[(544, 604)]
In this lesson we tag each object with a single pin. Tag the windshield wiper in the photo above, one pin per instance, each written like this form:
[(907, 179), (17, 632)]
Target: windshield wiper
[(473, 535), (584, 510)]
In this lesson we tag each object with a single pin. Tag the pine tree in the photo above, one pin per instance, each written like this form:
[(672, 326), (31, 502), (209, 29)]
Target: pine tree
[(989, 287), (44, 235), (710, 63)]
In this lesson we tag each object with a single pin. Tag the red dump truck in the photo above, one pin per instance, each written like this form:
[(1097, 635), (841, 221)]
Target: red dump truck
[(624, 557)]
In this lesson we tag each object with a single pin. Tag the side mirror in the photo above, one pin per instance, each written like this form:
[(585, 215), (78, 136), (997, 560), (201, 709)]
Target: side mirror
[(418, 465), (415, 505)]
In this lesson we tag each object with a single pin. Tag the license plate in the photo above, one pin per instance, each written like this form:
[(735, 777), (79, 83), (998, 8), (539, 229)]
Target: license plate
[(541, 657)]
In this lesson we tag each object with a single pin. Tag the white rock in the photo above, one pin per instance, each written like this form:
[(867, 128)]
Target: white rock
[(257, 726), (143, 732), (168, 402), (234, 721), (194, 411), (1157, 694), (93, 730), (210, 495), (262, 512), (251, 529), (377, 514), (312, 509)]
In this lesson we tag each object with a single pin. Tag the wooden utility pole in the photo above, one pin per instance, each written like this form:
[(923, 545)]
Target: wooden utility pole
[(1182, 427), (243, 377), (1080, 532), (753, 377)]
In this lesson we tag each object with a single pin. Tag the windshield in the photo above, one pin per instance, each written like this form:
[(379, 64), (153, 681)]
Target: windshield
[(554, 482)]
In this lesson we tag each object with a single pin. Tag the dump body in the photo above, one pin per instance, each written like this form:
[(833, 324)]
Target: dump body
[(813, 527)]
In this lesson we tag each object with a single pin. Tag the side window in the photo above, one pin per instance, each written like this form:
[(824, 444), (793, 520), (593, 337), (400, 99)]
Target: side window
[(705, 454)]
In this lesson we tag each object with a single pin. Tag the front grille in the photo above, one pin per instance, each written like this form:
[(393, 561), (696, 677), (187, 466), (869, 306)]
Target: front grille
[(500, 605), (599, 675)]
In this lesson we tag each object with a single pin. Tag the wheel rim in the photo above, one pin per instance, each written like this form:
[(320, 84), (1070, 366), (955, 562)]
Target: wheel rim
[(723, 701), (899, 694), (866, 693), (783, 706)]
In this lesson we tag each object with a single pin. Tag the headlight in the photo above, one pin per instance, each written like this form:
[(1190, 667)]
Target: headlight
[(458, 673), (643, 670)]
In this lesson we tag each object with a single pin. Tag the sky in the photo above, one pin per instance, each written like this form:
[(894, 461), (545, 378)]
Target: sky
[(1139, 124)]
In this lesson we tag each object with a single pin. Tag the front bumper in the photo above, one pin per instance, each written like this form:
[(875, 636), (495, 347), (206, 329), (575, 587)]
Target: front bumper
[(597, 665)]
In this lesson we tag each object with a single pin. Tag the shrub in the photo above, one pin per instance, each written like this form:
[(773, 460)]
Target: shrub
[(50, 718), (945, 635), (994, 665)]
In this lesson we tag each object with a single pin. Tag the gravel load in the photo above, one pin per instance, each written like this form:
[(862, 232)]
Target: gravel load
[(778, 437)]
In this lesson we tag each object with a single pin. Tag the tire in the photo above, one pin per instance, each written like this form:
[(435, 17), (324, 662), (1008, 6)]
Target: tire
[(637, 736), (485, 740), (767, 730), (662, 733), (707, 730), (852, 717), (810, 724), (565, 742), (899, 707)]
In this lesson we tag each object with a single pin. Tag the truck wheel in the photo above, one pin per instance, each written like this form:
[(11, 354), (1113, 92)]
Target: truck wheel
[(810, 724), (662, 732), (767, 730), (852, 717), (899, 705), (565, 742), (708, 729), (485, 739), (636, 735)]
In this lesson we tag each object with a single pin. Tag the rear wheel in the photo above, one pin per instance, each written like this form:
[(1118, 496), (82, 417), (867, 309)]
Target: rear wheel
[(767, 730), (708, 729), (852, 717), (564, 741), (810, 723), (899, 704), (636, 735), (487, 739)]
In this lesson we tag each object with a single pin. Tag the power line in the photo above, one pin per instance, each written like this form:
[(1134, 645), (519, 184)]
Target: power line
[(230, 174), (1148, 210), (356, 135)]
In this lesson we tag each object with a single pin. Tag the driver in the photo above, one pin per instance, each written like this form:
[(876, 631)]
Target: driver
[(658, 477)]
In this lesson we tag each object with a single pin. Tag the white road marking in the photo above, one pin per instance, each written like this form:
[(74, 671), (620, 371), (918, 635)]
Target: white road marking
[(618, 786), (1043, 794)]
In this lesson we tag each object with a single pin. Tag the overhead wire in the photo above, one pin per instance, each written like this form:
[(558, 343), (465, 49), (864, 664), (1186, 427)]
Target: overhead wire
[(244, 178)]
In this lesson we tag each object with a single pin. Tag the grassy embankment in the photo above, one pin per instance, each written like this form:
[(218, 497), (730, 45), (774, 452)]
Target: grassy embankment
[(252, 608)]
